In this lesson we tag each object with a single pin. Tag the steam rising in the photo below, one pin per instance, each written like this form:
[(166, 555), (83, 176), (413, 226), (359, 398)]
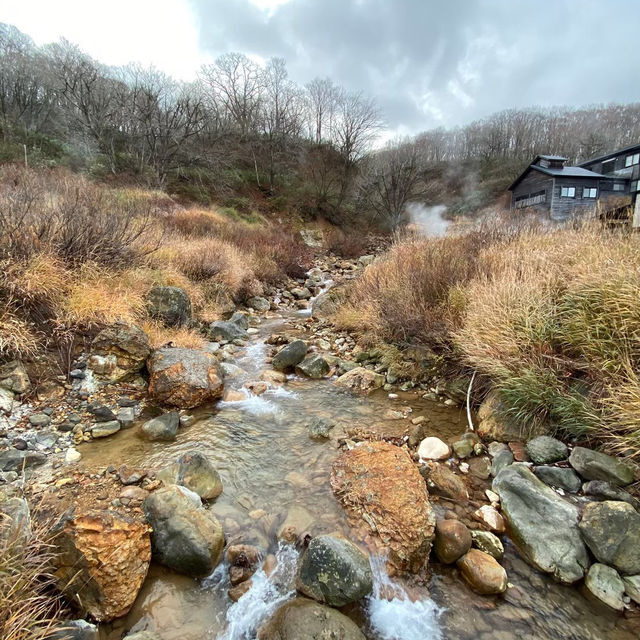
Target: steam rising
[(427, 220)]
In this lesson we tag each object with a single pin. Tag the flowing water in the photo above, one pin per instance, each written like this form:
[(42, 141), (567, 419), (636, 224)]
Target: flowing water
[(274, 474)]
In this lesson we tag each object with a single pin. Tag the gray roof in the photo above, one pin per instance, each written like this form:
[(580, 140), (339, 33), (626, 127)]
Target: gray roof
[(564, 172), (553, 158), (613, 154), (569, 172)]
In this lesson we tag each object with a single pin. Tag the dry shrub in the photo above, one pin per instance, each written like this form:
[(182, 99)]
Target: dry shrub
[(195, 222), (64, 214), (347, 243), (404, 296), (29, 606), (160, 335), (205, 259)]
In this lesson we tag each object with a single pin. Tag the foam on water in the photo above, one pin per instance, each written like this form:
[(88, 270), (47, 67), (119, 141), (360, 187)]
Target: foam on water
[(267, 593), (255, 405), (392, 614), (281, 392)]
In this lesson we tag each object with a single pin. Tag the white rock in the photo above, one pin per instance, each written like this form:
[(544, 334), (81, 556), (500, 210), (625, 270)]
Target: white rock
[(252, 331), (492, 496), (490, 517), (72, 456), (433, 448), (464, 467), (393, 396)]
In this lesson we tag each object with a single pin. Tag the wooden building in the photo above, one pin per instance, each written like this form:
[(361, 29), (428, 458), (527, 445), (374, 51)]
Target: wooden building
[(561, 192)]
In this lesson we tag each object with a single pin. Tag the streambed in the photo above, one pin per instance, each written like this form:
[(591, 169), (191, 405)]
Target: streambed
[(274, 473)]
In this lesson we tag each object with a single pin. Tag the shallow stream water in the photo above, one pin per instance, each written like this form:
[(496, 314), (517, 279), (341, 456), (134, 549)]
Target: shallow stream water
[(273, 473)]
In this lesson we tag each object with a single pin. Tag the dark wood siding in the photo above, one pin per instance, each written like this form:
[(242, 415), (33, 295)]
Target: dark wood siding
[(534, 182), (567, 208)]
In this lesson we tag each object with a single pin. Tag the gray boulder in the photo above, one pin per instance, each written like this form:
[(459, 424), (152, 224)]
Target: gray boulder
[(290, 355), (241, 319), (14, 460), (601, 490), (563, 478), (119, 352), (543, 526), (194, 471), (612, 532), (164, 427), (594, 465), (501, 460), (605, 585), (545, 450), (302, 619), (226, 330), (257, 303), (15, 519), (186, 537), (75, 630), (171, 305), (334, 571), (632, 587), (326, 304), (314, 366), (14, 378), (105, 429)]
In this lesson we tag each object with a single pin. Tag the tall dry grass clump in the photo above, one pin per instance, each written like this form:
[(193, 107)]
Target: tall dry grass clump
[(554, 321), (411, 292), (30, 607)]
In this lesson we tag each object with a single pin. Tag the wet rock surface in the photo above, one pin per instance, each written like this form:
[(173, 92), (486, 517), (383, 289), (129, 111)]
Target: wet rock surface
[(360, 381), (483, 573), (380, 488), (303, 619), (102, 562), (184, 378), (594, 465), (612, 533), (334, 571), (543, 526), (194, 471), (186, 537), (290, 355)]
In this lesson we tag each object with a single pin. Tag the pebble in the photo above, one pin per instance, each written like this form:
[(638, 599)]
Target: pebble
[(72, 456)]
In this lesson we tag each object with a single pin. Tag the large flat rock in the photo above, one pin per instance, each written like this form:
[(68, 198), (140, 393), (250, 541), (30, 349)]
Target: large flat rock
[(543, 526), (383, 492)]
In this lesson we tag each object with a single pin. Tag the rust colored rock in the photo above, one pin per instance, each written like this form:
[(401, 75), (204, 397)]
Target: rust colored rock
[(184, 378), (452, 541), (102, 563), (236, 592), (380, 487), (484, 573)]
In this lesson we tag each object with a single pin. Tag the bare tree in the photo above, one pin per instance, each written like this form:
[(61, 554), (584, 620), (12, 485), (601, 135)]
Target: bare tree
[(392, 180), (322, 97)]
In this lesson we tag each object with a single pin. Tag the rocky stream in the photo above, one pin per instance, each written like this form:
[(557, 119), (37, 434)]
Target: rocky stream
[(327, 492)]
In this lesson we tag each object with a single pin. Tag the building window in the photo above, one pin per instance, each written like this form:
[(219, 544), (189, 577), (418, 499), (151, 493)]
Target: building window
[(618, 186), (568, 192), (634, 186), (520, 202), (589, 193), (632, 159)]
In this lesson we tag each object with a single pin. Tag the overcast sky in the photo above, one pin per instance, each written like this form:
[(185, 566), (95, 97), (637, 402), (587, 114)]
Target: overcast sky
[(428, 63)]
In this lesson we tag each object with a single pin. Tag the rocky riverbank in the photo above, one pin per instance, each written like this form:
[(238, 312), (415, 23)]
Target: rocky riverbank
[(409, 491)]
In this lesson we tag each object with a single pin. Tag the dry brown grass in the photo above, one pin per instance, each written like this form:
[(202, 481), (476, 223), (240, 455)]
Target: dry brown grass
[(160, 335), (555, 322), (29, 604)]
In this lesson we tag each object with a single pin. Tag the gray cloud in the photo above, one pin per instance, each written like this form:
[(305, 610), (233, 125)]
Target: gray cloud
[(445, 62)]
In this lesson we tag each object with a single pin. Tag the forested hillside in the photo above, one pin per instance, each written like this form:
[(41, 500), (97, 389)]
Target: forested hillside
[(246, 137)]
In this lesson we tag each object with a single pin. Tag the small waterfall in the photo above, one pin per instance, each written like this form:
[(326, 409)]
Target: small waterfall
[(392, 614), (266, 594)]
